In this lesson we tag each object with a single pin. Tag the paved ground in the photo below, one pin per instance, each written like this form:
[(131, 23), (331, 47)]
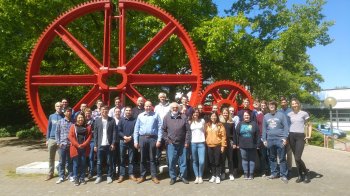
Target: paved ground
[(330, 172)]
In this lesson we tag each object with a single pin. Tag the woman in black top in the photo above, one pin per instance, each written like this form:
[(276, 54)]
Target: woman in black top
[(248, 134)]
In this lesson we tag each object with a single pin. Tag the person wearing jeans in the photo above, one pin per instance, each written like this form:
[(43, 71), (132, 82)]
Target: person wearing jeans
[(197, 145), (176, 133), (79, 136), (248, 136), (105, 134), (63, 143), (274, 136), (126, 127), (297, 138)]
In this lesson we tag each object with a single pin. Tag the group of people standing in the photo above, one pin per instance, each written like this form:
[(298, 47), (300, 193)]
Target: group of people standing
[(118, 137)]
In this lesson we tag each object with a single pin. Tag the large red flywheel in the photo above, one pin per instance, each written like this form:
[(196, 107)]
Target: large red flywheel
[(129, 69)]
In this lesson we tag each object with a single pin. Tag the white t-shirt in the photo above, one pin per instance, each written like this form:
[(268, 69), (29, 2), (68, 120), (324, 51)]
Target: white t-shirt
[(197, 131), (104, 134), (298, 121)]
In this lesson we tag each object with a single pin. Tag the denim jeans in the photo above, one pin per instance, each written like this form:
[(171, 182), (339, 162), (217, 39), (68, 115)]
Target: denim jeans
[(264, 159), (276, 148), (130, 148), (92, 159), (177, 154), (104, 152), (79, 164), (198, 158), (64, 159), (248, 160)]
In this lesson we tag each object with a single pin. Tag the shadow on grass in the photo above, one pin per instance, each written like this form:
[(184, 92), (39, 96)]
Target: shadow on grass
[(30, 144)]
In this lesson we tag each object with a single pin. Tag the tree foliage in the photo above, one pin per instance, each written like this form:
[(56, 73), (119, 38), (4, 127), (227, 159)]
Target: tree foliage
[(260, 43)]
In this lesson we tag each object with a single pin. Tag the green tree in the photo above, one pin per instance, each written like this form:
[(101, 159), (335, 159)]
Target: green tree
[(264, 44)]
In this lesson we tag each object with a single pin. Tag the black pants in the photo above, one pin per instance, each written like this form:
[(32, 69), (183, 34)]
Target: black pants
[(297, 143), (148, 152), (214, 160), (227, 154)]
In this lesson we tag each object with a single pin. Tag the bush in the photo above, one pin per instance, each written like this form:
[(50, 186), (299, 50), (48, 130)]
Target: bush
[(316, 139), (4, 132), (32, 133)]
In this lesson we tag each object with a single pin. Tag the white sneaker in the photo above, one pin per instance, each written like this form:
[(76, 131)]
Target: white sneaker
[(212, 179), (98, 180), (217, 181), (223, 176), (71, 178), (196, 181), (109, 180), (232, 178), (200, 180), (59, 181)]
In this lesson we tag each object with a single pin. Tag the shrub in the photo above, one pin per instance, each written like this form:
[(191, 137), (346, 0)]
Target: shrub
[(32, 133), (316, 139), (4, 132)]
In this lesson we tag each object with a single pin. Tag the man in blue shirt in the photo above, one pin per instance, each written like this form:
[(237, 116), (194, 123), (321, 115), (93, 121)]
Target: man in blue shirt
[(51, 137), (147, 137), (285, 110)]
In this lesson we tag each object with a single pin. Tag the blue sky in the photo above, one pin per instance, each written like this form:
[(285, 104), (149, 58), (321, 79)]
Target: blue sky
[(332, 61)]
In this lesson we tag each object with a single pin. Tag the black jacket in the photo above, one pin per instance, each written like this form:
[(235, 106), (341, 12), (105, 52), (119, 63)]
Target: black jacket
[(111, 131)]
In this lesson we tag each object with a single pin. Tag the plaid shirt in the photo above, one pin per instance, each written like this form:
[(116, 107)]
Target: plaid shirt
[(62, 131)]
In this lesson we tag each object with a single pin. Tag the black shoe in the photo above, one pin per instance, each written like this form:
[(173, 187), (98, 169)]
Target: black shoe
[(82, 181), (306, 178), (172, 181), (185, 181), (76, 182), (299, 179)]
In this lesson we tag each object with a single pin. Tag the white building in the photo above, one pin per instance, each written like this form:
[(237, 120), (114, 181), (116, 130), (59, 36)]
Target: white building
[(341, 111)]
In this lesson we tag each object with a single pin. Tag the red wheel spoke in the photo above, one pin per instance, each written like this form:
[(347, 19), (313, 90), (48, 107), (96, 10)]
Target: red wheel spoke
[(63, 80), (107, 37), (89, 98), (132, 93), (148, 50), (162, 79), (122, 35), (216, 95), (78, 48), (232, 95)]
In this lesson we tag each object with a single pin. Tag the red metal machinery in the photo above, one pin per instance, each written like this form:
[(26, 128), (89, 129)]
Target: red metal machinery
[(224, 93), (128, 69)]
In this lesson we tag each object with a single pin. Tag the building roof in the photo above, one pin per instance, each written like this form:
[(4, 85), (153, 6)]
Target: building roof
[(341, 95)]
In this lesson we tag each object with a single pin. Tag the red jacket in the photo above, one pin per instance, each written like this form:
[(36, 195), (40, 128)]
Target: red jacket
[(72, 136)]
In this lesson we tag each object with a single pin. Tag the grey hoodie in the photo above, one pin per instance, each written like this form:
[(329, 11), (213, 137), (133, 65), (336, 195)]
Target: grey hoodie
[(275, 126)]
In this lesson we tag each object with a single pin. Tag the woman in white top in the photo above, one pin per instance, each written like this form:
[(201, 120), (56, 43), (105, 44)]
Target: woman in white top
[(299, 119), (197, 145)]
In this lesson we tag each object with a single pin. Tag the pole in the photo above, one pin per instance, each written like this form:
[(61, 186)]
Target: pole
[(331, 119)]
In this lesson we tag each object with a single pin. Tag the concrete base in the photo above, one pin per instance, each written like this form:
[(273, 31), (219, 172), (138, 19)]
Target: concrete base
[(35, 168)]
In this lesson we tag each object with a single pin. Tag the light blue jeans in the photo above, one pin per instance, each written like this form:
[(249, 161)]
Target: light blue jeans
[(198, 158), (177, 154)]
